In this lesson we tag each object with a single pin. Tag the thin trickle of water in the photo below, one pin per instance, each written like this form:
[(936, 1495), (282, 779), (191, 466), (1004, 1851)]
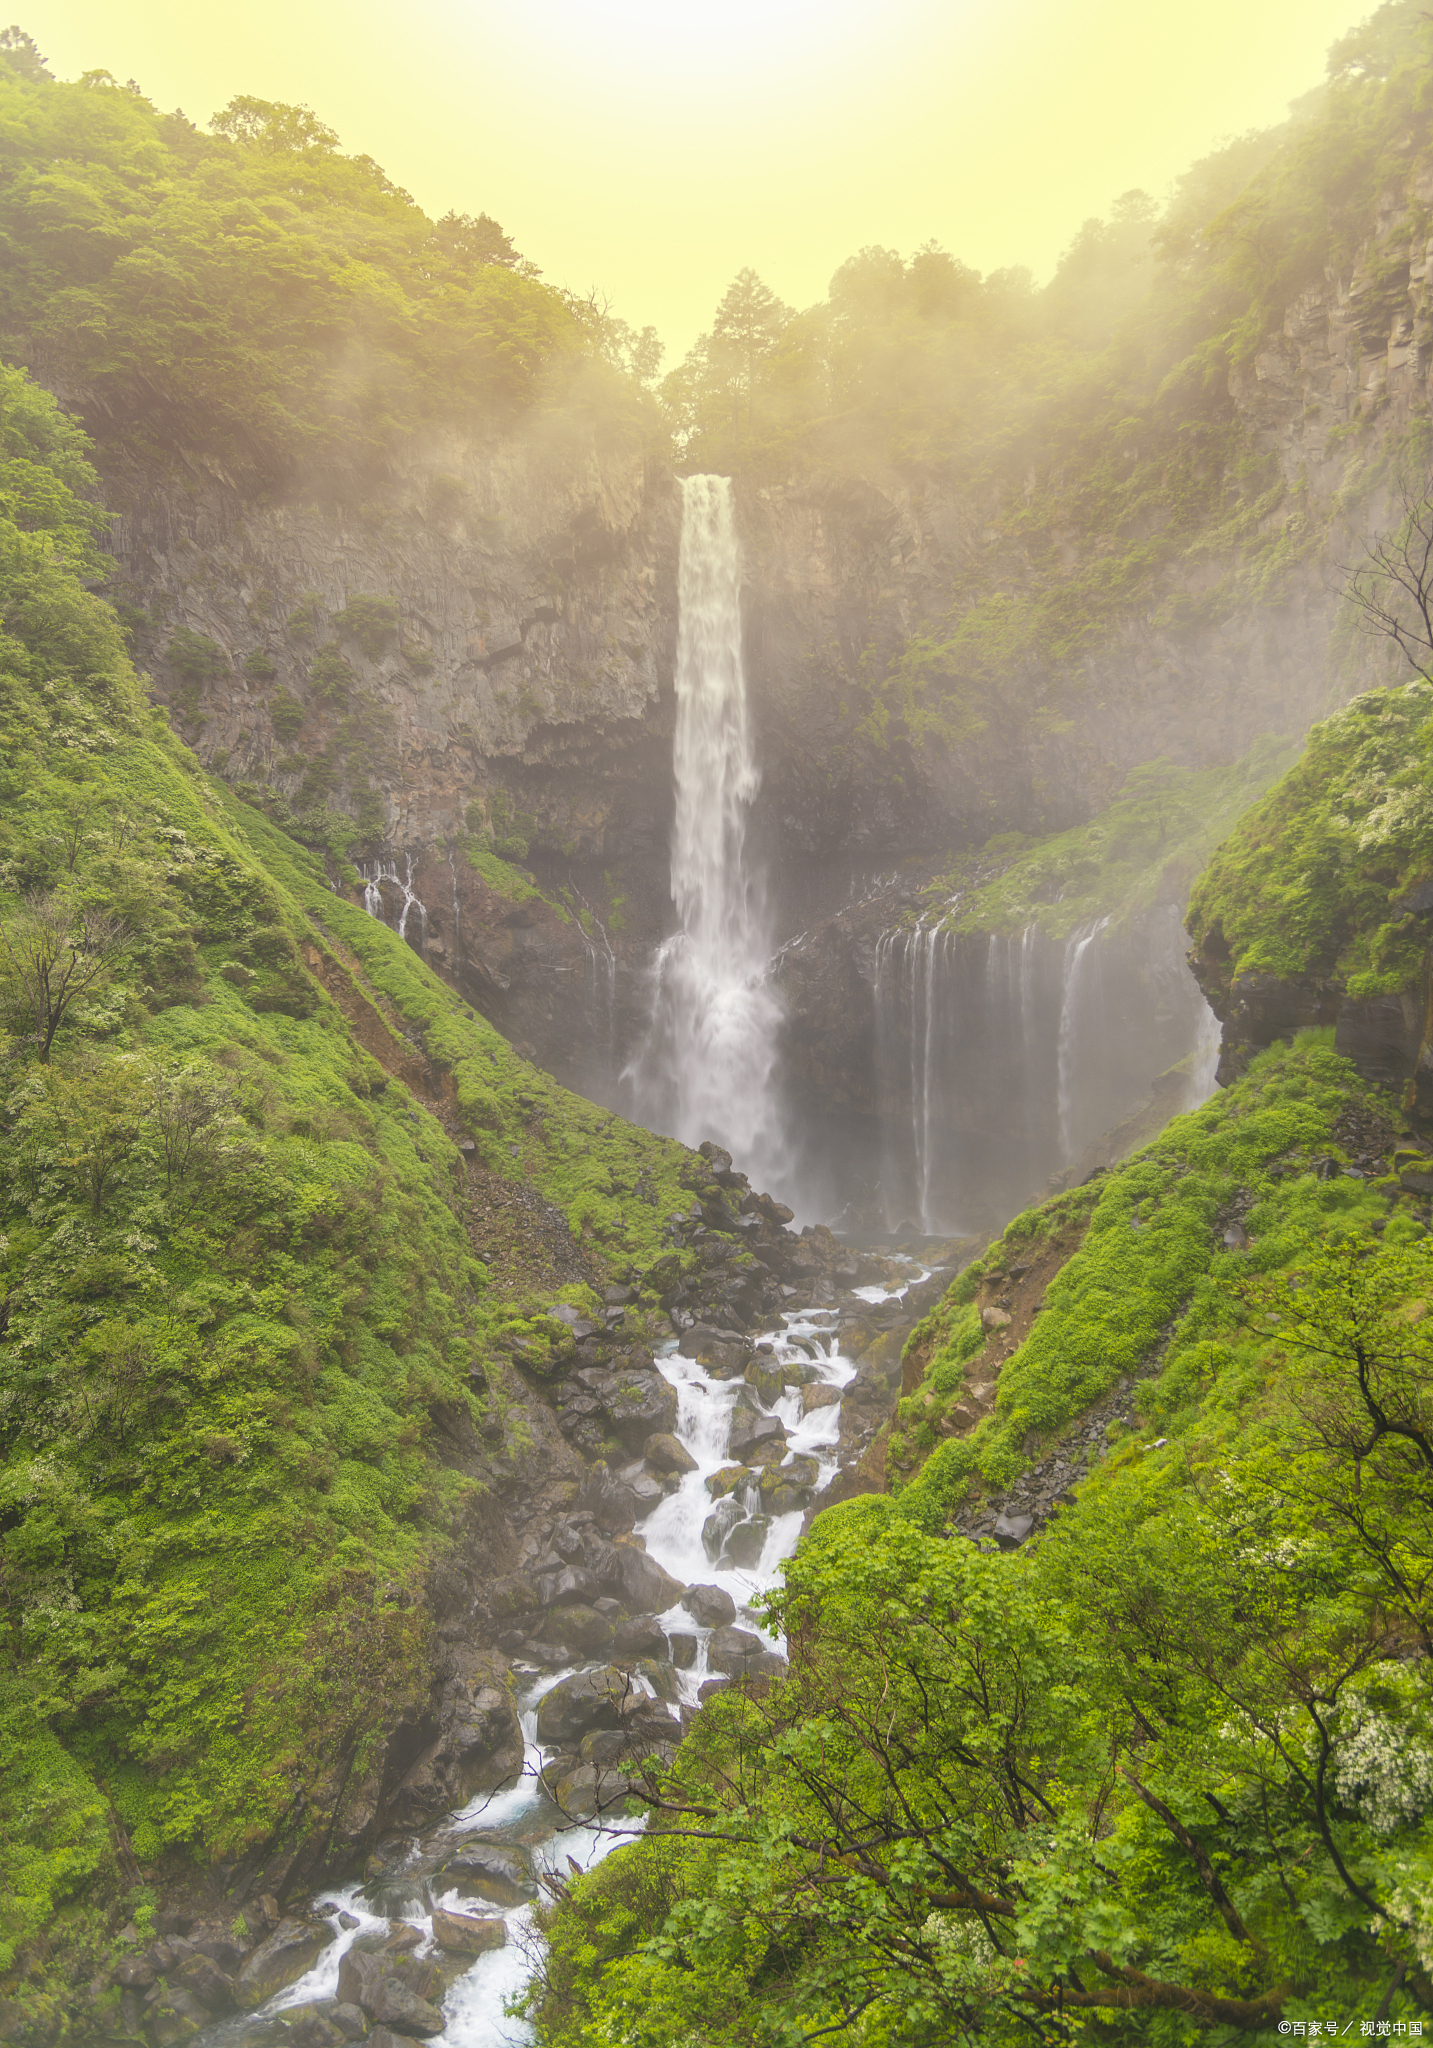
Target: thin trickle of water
[(707, 1066), (601, 979), (1077, 954), (457, 907)]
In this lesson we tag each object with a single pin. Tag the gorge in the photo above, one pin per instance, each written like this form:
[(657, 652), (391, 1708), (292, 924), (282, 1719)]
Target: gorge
[(714, 1115)]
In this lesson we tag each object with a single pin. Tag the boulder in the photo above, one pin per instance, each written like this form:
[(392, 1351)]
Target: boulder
[(709, 1606), (402, 1941), (644, 1583), (718, 1525), (747, 1541), (821, 1394), (465, 1934), (177, 2015), (613, 1502), (766, 1379), (591, 1699), (684, 1651), (397, 1991), (798, 1472), (490, 1870), (753, 1433), (293, 1947), (640, 1637), (668, 1454), (787, 1500), (397, 2006), (580, 1628), (578, 1789), (646, 1492), (571, 1583), (726, 1480), (203, 1978), (739, 1653), (1011, 1530), (513, 1593), (314, 2029), (639, 1404), (722, 1352), (349, 2019)]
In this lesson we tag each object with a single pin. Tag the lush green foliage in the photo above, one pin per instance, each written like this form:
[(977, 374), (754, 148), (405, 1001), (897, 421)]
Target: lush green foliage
[(236, 1275), (1144, 848), (254, 292), (1163, 1775), (1312, 879)]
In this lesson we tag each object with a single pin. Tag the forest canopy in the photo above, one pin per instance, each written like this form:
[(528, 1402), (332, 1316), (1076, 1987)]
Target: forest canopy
[(254, 292)]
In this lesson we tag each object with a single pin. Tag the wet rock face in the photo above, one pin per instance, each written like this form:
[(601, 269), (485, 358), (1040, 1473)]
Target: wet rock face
[(291, 1949), (475, 1744)]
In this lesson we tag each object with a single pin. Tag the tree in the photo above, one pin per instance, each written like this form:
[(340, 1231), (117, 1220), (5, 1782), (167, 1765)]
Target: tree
[(18, 51), (273, 126), (748, 324), (1391, 590), (56, 953), (467, 242), (193, 1114)]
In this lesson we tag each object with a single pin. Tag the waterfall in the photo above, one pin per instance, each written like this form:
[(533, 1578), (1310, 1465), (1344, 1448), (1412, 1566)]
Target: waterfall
[(706, 1067), (373, 875), (1073, 1000), (601, 979)]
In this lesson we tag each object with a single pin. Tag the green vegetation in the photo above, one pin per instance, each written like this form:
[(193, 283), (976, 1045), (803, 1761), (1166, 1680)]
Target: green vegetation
[(1163, 1775), (1145, 848), (255, 293), (237, 1280), (1313, 879), (1092, 420)]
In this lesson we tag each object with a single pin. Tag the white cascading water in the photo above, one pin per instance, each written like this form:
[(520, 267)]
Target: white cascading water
[(677, 1535), (374, 874), (1078, 964), (706, 1068)]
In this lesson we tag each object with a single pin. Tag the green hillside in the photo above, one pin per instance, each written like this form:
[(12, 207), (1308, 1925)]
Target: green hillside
[(242, 1322)]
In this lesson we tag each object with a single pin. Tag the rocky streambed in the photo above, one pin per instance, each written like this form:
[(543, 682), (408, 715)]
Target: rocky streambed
[(628, 1607)]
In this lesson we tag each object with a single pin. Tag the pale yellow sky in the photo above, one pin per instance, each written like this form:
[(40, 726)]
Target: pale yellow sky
[(651, 149)]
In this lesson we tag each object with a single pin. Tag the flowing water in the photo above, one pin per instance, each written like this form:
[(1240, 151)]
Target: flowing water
[(409, 908), (1001, 1058), (677, 1534), (706, 1068)]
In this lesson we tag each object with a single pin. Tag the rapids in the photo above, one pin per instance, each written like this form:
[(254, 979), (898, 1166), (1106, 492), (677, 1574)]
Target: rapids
[(409, 1888)]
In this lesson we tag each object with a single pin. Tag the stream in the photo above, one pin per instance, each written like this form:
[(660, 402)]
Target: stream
[(693, 1536)]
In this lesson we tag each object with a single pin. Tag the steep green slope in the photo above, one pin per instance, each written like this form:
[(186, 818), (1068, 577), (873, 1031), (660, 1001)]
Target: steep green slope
[(1144, 848), (244, 1336), (1163, 1774), (1322, 877)]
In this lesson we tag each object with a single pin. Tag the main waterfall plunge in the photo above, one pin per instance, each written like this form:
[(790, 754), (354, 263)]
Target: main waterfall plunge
[(973, 1069), (706, 1067)]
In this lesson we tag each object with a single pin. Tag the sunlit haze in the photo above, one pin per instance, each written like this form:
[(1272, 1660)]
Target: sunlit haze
[(647, 151)]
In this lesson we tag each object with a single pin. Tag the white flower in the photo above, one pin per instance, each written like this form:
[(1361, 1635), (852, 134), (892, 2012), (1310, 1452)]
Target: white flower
[(1381, 1769)]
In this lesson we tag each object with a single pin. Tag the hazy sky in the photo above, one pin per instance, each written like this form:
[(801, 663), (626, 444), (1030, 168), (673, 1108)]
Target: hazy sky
[(651, 149)]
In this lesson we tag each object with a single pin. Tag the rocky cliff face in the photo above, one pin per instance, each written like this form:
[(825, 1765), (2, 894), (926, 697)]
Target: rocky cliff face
[(532, 587), (518, 663)]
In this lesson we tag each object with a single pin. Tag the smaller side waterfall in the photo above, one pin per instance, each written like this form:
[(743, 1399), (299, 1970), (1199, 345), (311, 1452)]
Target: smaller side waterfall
[(380, 874), (1082, 1004), (1003, 1058)]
